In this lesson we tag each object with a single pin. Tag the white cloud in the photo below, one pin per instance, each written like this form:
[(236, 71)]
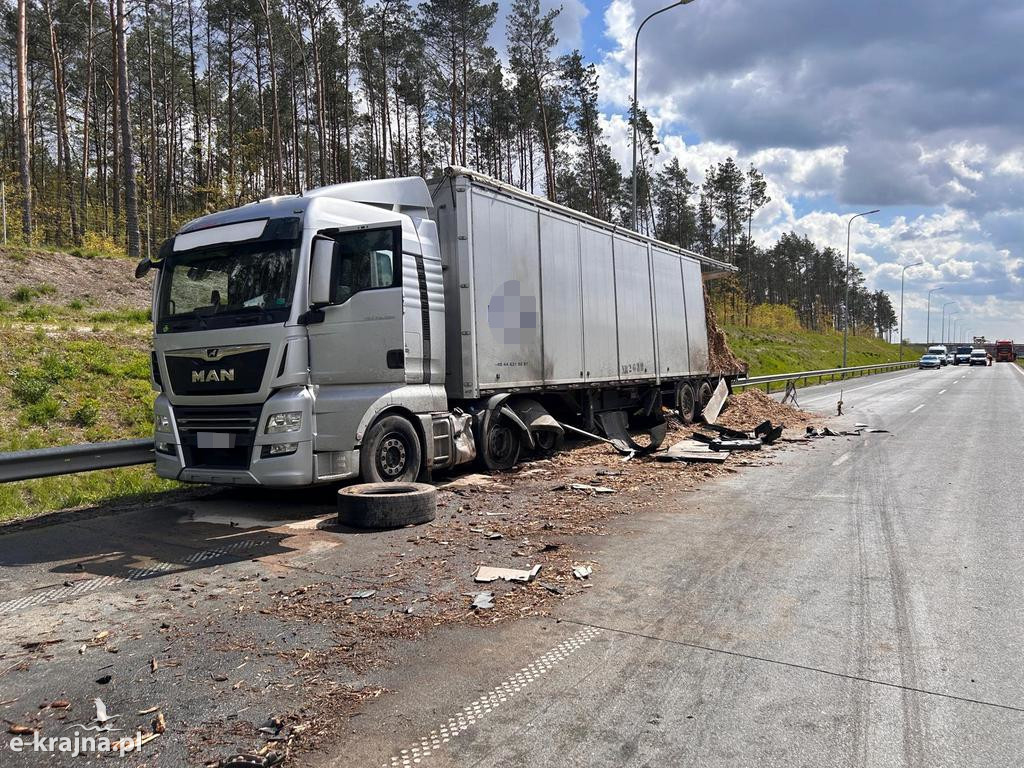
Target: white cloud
[(849, 106)]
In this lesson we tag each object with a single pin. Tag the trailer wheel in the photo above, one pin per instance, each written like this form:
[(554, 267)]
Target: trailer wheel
[(501, 444), (548, 441), (686, 403), (386, 505), (704, 393), (391, 452)]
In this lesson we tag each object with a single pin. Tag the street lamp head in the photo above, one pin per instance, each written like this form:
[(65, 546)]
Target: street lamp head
[(877, 210)]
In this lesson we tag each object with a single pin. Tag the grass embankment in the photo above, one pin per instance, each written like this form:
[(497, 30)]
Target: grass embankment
[(768, 351), (74, 351)]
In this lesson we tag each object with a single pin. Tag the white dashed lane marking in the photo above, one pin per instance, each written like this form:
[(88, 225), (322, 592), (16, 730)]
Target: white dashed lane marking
[(840, 460), (942, 391), (129, 574), (918, 408), (478, 709)]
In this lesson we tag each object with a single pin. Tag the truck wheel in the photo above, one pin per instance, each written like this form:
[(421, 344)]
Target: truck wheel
[(391, 452), (386, 505), (686, 403), (548, 442), (501, 444), (704, 393)]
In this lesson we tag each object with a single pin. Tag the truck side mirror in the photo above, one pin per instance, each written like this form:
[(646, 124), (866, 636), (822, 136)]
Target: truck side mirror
[(320, 269)]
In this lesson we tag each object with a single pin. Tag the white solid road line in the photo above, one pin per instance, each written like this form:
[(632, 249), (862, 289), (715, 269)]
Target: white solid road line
[(915, 410), (840, 460)]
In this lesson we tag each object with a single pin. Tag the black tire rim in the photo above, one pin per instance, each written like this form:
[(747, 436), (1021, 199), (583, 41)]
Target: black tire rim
[(501, 444), (392, 456)]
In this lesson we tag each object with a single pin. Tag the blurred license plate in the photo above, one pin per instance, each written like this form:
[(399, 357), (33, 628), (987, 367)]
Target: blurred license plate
[(215, 440)]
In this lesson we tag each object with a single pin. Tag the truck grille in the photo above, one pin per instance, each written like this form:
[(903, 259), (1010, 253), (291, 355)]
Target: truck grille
[(231, 373), (238, 422)]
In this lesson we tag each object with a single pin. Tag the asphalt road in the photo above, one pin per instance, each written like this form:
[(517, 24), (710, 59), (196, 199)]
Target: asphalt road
[(858, 602)]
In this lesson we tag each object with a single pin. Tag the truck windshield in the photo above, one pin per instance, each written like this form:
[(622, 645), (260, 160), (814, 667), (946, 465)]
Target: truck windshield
[(228, 285)]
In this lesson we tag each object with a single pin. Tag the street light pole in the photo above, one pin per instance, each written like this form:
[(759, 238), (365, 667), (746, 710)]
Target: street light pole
[(942, 340), (636, 113), (903, 276), (846, 302), (928, 333)]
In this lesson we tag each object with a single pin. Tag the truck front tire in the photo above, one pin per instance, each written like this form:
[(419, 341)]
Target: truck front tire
[(391, 452)]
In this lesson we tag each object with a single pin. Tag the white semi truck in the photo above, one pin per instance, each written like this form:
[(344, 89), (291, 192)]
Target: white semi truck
[(387, 329)]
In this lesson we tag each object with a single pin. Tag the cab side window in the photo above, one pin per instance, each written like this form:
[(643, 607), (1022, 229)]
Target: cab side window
[(366, 261)]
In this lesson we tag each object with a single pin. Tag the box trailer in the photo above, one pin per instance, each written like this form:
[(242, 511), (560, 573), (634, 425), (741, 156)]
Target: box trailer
[(385, 329)]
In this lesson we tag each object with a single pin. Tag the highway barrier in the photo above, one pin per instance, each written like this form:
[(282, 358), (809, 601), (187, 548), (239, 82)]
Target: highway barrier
[(67, 460)]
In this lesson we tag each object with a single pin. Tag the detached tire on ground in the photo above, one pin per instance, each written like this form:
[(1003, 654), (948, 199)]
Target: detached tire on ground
[(386, 505)]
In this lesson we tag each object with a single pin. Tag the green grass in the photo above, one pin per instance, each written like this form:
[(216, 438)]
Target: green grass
[(65, 388), (770, 351)]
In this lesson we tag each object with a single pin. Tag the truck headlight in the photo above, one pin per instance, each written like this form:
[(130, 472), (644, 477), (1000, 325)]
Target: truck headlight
[(162, 423), (284, 422)]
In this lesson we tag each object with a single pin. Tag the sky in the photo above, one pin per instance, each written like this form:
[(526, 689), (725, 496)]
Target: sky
[(914, 107)]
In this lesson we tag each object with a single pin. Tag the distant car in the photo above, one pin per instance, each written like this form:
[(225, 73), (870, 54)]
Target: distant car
[(962, 356), (940, 351), (979, 357), (929, 361), (950, 359)]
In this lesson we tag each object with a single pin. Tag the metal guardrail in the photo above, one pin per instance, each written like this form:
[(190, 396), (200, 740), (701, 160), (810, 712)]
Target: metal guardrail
[(853, 370), (69, 459)]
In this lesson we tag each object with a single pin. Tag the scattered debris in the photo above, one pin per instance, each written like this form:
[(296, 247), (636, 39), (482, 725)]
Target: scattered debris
[(149, 711), (485, 574), (475, 480), (272, 727), (582, 572), (735, 445), (692, 450), (585, 487), (104, 680), (729, 432), (362, 594), (879, 431), (483, 600), (159, 723), (101, 712), (20, 730), (252, 760)]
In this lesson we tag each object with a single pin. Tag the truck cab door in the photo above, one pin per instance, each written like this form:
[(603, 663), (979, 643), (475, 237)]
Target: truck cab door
[(358, 337)]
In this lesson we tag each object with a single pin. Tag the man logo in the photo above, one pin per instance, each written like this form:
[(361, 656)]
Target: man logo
[(213, 375)]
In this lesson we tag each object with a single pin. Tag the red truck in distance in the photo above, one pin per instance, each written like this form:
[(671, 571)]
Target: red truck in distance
[(1005, 352)]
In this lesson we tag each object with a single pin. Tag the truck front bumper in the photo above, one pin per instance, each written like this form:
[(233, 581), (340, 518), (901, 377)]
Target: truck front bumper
[(248, 461)]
